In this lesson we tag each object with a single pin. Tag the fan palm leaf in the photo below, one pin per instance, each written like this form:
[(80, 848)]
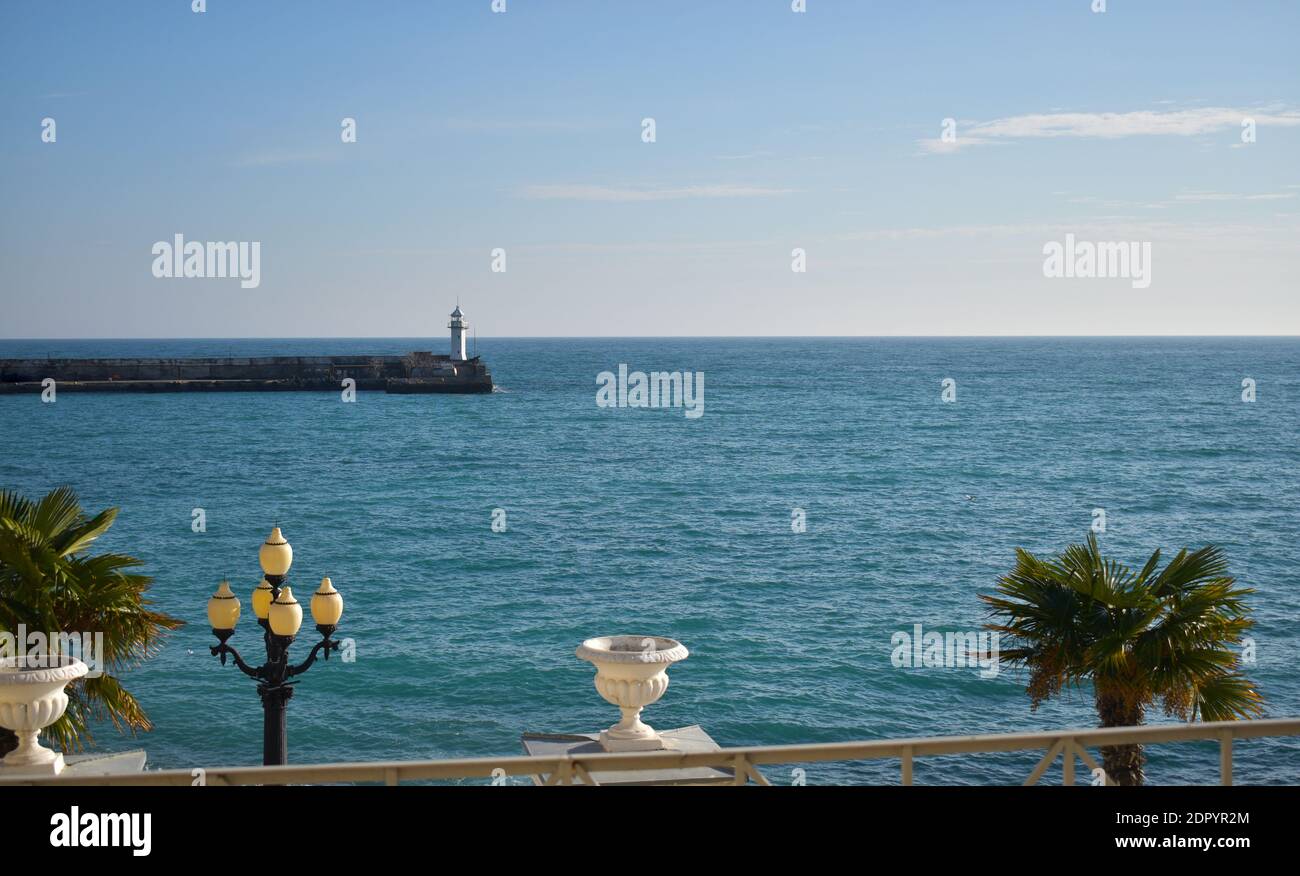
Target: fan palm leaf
[(1170, 635)]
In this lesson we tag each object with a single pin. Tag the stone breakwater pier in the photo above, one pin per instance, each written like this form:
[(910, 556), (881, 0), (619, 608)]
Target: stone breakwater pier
[(411, 373), (418, 372)]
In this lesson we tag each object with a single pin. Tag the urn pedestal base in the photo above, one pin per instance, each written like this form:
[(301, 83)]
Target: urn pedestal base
[(611, 742), (38, 770)]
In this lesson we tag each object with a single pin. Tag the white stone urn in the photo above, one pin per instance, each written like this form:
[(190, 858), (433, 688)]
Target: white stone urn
[(631, 673), (32, 697)]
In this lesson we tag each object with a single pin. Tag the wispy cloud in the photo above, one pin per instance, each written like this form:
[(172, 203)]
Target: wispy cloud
[(1110, 228), (522, 125), (1186, 197), (1233, 196), (272, 158), (762, 153), (1108, 126), (942, 147), (637, 194)]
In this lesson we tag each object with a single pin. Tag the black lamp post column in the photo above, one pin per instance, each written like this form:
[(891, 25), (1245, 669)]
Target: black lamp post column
[(280, 617), (275, 742)]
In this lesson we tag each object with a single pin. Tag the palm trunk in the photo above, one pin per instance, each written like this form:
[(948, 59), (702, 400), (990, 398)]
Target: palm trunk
[(1122, 763)]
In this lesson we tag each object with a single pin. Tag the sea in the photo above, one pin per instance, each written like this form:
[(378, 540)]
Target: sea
[(828, 499)]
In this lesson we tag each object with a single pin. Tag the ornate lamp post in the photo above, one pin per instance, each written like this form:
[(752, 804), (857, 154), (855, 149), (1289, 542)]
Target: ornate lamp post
[(280, 616)]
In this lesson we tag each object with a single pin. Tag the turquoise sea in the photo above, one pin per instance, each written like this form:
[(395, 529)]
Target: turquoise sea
[(646, 521)]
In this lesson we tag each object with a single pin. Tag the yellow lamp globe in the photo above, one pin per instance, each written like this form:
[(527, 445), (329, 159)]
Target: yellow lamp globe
[(276, 555), (326, 604), (223, 608), (263, 593), (286, 614)]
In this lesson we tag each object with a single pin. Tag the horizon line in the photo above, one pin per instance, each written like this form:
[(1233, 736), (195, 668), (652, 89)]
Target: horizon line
[(637, 337)]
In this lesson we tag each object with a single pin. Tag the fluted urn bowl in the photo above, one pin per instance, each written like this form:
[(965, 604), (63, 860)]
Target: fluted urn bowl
[(631, 673), (32, 697)]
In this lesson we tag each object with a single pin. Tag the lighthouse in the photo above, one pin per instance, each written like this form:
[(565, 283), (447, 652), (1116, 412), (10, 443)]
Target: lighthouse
[(459, 329)]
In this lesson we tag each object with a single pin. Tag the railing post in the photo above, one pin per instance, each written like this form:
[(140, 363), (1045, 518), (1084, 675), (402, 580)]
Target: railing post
[(1067, 762), (563, 774), (742, 770), (1225, 757), (583, 774), (907, 764), (1091, 764), (1045, 762)]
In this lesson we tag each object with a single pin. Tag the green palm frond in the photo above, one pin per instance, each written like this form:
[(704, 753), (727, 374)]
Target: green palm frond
[(77, 539), (1166, 634), (50, 584), (56, 511), (13, 506)]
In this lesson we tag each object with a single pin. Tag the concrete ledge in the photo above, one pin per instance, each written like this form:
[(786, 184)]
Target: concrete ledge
[(685, 739)]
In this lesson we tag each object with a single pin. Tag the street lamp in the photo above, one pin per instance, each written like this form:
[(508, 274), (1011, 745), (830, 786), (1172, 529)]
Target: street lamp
[(280, 616)]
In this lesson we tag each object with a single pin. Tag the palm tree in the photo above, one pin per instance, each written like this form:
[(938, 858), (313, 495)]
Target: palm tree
[(51, 584), (1139, 637)]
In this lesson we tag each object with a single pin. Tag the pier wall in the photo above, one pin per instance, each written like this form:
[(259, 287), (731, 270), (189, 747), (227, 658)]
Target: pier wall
[(412, 373)]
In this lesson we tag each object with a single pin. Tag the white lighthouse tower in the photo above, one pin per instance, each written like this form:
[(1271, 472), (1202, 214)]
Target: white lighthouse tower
[(459, 330)]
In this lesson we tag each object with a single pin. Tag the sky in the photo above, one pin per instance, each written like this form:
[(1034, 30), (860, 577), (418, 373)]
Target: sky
[(774, 131)]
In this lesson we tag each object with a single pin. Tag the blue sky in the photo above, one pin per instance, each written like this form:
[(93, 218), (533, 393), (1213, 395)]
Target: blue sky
[(774, 130)]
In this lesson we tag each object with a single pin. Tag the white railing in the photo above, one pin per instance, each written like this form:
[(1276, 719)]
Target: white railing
[(741, 762)]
